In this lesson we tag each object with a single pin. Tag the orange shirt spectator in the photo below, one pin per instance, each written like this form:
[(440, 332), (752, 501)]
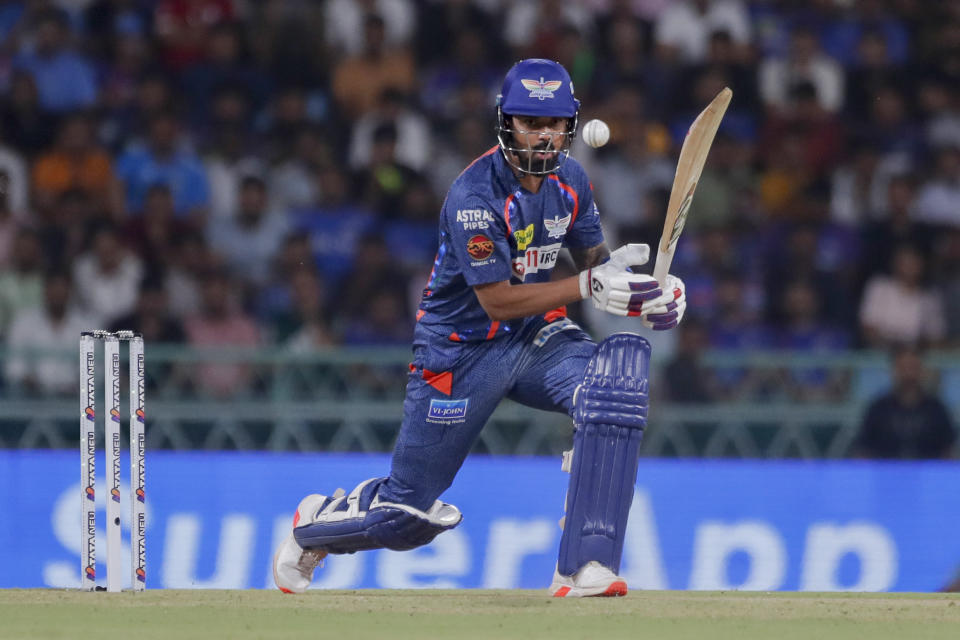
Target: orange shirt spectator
[(74, 162), (358, 81)]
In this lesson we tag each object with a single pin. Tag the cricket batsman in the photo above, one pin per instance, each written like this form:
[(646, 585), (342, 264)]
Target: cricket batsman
[(492, 324)]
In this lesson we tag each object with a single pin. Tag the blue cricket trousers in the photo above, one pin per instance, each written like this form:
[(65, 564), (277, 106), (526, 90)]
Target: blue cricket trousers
[(454, 387)]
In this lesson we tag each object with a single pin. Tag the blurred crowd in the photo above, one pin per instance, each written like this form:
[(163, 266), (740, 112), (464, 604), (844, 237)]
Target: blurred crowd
[(270, 172)]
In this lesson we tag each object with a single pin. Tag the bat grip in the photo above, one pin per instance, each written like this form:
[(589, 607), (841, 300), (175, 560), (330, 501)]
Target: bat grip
[(662, 266)]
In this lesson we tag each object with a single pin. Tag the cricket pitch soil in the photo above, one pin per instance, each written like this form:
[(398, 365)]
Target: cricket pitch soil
[(527, 615)]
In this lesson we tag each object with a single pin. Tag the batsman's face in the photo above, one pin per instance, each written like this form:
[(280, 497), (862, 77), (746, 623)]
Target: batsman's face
[(539, 138)]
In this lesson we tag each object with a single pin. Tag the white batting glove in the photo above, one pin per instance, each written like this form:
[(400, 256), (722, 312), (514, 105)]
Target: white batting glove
[(666, 312), (616, 290)]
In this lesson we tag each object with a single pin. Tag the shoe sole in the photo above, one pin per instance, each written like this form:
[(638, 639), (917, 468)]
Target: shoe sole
[(613, 590)]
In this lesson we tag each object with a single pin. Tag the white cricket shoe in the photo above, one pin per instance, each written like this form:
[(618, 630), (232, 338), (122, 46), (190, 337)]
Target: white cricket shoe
[(593, 579), (292, 564)]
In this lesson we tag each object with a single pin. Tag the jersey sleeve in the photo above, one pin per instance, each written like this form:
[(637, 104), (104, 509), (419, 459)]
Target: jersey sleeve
[(586, 231), (477, 238)]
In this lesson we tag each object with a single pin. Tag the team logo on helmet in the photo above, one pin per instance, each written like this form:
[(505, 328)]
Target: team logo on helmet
[(540, 88), (479, 247)]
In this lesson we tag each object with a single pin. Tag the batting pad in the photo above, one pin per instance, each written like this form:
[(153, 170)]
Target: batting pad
[(610, 412), (360, 521)]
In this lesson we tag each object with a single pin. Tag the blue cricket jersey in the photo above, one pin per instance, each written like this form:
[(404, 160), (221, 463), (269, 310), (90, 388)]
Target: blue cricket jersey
[(492, 229)]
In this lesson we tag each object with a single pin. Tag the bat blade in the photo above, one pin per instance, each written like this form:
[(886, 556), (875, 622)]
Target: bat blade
[(693, 155)]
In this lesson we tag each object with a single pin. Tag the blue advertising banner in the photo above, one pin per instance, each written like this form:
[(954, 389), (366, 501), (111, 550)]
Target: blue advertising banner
[(214, 519)]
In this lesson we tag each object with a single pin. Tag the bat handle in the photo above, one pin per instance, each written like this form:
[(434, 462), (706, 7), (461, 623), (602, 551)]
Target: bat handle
[(662, 266)]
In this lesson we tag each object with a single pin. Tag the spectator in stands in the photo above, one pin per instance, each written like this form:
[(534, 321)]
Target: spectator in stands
[(305, 326), (163, 160), (939, 102), (901, 307), (21, 281), (107, 278), (76, 161), (682, 31), (37, 333), (687, 379), (131, 60), (108, 24), (292, 182), (65, 79), (869, 73), (535, 28), (190, 262), (381, 320), (249, 240), (632, 166), (374, 273), (154, 235), (221, 323), (469, 62), (949, 283), (26, 124), (470, 139), (938, 201), (183, 26), (223, 65), (890, 126), (383, 184), (884, 236), (230, 153), (804, 330), (151, 317), (413, 133), (804, 63), (14, 181), (360, 79), (346, 23), (907, 422)]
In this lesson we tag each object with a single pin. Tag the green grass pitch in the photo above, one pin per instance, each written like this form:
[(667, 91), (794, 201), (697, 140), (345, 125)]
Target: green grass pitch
[(526, 615)]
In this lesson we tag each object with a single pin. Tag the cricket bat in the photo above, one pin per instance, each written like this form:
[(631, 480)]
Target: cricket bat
[(693, 154)]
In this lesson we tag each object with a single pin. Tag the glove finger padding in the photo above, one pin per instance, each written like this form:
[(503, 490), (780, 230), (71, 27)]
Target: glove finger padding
[(667, 311), (630, 255)]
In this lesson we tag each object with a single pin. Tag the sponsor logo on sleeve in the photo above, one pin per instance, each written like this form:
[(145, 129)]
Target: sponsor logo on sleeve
[(523, 237), (474, 219), (447, 411), (480, 247)]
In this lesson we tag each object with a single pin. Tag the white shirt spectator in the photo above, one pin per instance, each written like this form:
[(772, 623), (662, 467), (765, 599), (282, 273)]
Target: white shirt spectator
[(13, 164), (682, 27), (520, 23), (778, 75), (938, 203), (105, 295), (34, 329), (249, 250), (344, 23), (899, 314), (413, 140), (224, 177)]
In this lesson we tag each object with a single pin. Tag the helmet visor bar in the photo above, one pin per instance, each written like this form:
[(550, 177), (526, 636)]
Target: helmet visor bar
[(541, 159)]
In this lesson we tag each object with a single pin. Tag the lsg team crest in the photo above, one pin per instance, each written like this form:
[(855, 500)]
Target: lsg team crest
[(480, 247), (540, 88)]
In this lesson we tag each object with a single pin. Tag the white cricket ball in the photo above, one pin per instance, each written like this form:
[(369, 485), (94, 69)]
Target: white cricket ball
[(596, 133)]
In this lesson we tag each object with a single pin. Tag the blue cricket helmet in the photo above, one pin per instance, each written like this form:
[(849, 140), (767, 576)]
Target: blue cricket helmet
[(538, 87)]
